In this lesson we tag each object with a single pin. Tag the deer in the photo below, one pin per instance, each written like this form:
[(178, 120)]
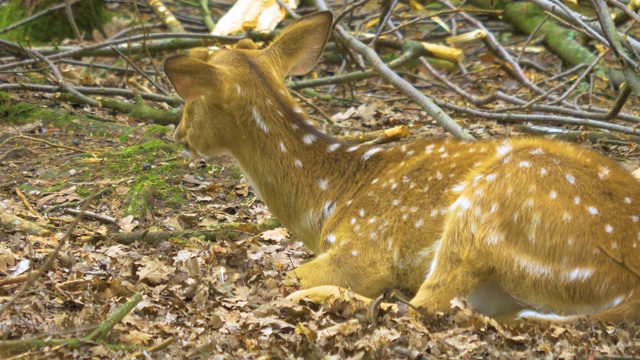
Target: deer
[(530, 226)]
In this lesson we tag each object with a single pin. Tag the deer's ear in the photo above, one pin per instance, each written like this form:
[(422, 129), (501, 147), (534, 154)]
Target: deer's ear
[(297, 50), (192, 77)]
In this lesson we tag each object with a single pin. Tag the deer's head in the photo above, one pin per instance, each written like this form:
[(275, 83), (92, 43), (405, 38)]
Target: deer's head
[(221, 88)]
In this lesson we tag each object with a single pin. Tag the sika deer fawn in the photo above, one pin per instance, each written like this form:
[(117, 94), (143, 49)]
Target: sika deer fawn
[(541, 227)]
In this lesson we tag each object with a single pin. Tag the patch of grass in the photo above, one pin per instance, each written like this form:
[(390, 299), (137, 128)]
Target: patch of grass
[(145, 190), (236, 173), (156, 130), (125, 135)]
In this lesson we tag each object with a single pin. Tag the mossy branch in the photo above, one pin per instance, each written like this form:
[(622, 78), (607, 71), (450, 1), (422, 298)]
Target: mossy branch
[(137, 110)]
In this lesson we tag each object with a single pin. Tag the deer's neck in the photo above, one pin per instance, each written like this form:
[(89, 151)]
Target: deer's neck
[(300, 173)]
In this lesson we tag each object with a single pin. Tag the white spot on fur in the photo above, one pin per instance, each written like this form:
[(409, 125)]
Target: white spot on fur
[(438, 175), (635, 218), (495, 237), (374, 181), (331, 238), (592, 210), (353, 148), (627, 200), (395, 202), (372, 220), (297, 110), (504, 148), (258, 119), (566, 217), (494, 208), (282, 147), (309, 139), (614, 245), (524, 164), (571, 179), (238, 89), (328, 208), (491, 177), (361, 212), (529, 203), (297, 163), (615, 302), (354, 252), (604, 172), (579, 274), (463, 203), (370, 153), (333, 147), (323, 184), (537, 151), (576, 200), (419, 223), (543, 172), (434, 249), (534, 268), (429, 149), (353, 221), (434, 213), (608, 228), (553, 194), (459, 187)]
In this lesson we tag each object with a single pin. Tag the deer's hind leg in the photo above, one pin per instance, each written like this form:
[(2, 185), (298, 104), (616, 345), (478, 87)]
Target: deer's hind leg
[(456, 268)]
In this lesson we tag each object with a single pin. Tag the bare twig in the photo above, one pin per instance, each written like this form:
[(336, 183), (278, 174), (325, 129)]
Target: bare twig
[(139, 71), (92, 215), (24, 137), (580, 78), (72, 21), (26, 203)]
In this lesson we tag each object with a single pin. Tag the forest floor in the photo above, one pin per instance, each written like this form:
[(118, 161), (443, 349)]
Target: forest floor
[(225, 296)]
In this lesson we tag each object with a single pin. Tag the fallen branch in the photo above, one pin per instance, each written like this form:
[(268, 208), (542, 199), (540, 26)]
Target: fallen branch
[(231, 230), (91, 215), (10, 222), (379, 136)]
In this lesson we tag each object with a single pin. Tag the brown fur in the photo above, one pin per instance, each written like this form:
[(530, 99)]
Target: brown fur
[(523, 219)]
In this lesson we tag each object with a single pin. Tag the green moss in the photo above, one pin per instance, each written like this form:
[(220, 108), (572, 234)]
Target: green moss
[(148, 151), (156, 130), (236, 173), (125, 136), (53, 27), (145, 190)]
